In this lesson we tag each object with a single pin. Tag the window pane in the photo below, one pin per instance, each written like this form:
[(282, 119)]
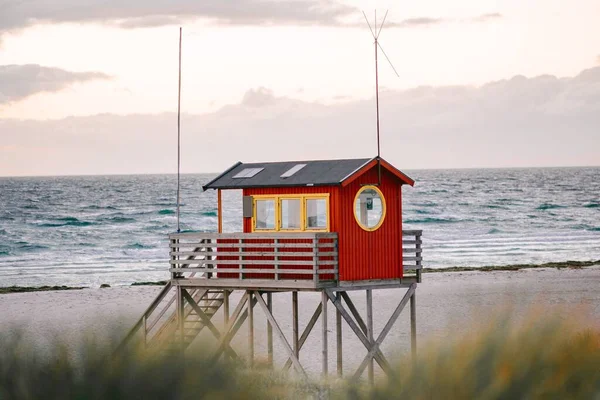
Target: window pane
[(265, 214), (316, 213), (369, 208), (290, 214)]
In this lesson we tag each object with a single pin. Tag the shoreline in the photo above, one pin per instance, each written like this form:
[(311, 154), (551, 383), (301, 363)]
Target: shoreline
[(487, 268)]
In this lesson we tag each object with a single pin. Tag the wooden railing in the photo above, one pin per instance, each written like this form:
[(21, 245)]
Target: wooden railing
[(277, 257), (412, 258)]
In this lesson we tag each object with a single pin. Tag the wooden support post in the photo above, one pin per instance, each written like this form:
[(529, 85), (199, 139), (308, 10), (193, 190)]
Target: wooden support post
[(307, 330), (270, 330), (413, 326), (279, 332), (374, 347), (232, 327), (338, 331), (250, 330), (226, 294), (324, 320), (180, 317), (370, 331), (145, 328), (379, 357), (219, 211), (207, 322), (295, 324), (418, 254)]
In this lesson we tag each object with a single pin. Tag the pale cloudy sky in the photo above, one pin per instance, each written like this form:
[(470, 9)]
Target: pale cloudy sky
[(91, 87)]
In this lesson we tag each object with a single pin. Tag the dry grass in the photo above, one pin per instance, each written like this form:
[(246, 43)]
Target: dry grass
[(541, 358)]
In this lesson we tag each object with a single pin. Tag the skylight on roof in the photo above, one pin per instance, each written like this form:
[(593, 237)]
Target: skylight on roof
[(293, 170), (247, 173)]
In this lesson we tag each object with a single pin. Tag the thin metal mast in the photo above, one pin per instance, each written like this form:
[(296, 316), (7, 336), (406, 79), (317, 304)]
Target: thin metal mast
[(179, 134), (376, 34)]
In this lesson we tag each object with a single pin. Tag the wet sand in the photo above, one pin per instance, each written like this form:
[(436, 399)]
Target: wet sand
[(448, 304)]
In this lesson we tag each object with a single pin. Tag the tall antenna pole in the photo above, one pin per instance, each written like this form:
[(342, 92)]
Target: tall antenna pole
[(179, 134), (376, 34), (377, 95)]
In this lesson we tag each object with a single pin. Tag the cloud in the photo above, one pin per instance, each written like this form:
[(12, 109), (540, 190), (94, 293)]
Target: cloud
[(487, 17), (517, 122), (20, 81), (421, 21), (18, 14), (429, 21)]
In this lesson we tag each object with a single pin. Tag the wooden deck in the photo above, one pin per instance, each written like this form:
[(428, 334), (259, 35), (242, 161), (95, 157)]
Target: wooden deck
[(274, 261)]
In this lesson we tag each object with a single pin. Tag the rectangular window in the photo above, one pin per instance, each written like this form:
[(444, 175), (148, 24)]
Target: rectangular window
[(316, 213), (291, 214), (264, 218)]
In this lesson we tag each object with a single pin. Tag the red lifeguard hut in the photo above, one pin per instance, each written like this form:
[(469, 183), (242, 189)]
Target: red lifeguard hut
[(330, 226), (353, 206)]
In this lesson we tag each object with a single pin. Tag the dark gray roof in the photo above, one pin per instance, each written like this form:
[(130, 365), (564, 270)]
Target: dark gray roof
[(315, 173)]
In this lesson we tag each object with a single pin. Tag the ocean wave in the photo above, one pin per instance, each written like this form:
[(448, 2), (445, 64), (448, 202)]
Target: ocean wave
[(138, 246), (592, 205), (166, 211), (65, 221), (97, 207), (26, 246), (431, 221), (595, 229), (4, 253), (118, 219), (549, 206), (493, 231), (3, 232), (209, 213)]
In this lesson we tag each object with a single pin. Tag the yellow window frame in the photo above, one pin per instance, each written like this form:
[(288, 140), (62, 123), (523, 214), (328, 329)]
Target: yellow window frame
[(302, 197), (383, 206), (276, 210)]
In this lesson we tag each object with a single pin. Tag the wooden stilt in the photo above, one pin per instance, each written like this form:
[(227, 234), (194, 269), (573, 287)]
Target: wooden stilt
[(231, 327), (270, 330), (338, 332), (413, 326), (379, 357), (250, 330), (324, 338), (295, 323), (375, 346), (226, 307), (279, 333), (307, 330), (370, 331), (180, 317), (207, 322)]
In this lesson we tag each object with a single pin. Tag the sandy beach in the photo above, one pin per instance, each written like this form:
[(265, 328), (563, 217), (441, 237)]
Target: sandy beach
[(447, 305)]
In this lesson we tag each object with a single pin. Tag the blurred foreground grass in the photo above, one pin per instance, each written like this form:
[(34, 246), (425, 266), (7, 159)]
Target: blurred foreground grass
[(537, 358)]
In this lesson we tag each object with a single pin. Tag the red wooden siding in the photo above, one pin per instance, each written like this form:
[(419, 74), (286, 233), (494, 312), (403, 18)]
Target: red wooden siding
[(333, 192), (362, 255), (367, 255)]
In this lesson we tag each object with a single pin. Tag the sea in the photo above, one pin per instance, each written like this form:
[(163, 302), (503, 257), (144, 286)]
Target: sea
[(93, 230)]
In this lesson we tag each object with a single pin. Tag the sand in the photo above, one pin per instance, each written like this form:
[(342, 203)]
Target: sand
[(447, 305)]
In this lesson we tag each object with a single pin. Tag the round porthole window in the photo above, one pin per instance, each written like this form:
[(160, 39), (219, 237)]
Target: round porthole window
[(369, 208)]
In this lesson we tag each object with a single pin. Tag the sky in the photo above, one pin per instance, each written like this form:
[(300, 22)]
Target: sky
[(91, 88)]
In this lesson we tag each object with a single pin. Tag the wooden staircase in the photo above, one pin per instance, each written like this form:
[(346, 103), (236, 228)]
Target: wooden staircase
[(168, 338), (159, 325)]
